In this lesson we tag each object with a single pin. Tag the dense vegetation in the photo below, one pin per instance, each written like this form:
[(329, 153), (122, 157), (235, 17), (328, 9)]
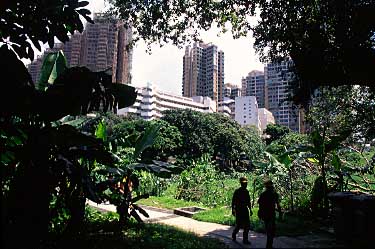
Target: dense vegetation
[(54, 156)]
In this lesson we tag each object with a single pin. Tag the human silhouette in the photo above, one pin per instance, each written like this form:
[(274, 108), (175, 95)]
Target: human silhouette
[(240, 209), (267, 211)]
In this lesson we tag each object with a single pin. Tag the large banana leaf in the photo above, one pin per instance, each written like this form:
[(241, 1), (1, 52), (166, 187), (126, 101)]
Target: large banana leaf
[(146, 140), (53, 65), (126, 95), (160, 169)]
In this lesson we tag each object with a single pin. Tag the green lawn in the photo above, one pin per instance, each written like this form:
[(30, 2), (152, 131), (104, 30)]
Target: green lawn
[(167, 202), (101, 232), (289, 226)]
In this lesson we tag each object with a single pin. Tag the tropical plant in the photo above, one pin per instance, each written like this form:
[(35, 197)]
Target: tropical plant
[(45, 164), (116, 184)]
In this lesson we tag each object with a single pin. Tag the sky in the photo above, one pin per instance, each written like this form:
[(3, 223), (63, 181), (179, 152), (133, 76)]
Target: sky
[(163, 67)]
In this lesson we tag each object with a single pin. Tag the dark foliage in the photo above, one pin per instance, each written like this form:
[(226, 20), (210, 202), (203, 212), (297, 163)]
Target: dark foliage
[(29, 22)]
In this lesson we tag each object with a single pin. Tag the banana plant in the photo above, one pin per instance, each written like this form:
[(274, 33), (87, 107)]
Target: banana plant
[(121, 180), (58, 153)]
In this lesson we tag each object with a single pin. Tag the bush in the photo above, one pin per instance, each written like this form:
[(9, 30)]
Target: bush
[(151, 184), (203, 183)]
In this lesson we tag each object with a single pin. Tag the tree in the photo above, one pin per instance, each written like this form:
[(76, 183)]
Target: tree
[(340, 121), (166, 144), (254, 146), (330, 122), (290, 140), (275, 132), (197, 130), (214, 134), (330, 42), (26, 23)]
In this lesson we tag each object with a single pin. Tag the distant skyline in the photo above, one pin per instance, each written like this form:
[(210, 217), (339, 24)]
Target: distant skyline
[(163, 67)]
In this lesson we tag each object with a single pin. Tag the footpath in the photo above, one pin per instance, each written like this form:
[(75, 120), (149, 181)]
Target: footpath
[(224, 232)]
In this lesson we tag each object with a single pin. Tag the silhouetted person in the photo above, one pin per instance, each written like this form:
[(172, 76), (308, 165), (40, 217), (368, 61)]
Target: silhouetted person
[(240, 209), (267, 211)]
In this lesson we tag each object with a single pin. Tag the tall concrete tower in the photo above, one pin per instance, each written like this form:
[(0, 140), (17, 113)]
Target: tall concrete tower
[(203, 71), (278, 77), (254, 85), (102, 45)]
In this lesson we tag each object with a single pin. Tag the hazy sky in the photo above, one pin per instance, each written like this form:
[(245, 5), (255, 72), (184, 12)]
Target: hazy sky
[(163, 67)]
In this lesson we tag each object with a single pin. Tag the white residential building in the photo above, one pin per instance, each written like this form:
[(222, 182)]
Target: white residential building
[(246, 111), (227, 107), (151, 102), (265, 118)]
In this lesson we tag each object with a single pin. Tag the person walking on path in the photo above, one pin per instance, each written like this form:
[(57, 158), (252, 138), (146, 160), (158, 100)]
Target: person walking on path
[(267, 202), (240, 209)]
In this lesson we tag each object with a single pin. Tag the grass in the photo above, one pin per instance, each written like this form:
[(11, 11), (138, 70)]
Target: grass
[(291, 225), (102, 231), (167, 202)]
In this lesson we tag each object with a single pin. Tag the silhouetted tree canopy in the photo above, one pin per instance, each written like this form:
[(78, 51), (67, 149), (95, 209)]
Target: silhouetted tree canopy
[(29, 22)]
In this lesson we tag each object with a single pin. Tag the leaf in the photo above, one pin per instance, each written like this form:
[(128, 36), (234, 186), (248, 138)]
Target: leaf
[(141, 210), (152, 168), (101, 131), (89, 189), (124, 94), (336, 162), (136, 215), (53, 65), (84, 12), (146, 141), (286, 159), (313, 160), (83, 4), (116, 171), (58, 68)]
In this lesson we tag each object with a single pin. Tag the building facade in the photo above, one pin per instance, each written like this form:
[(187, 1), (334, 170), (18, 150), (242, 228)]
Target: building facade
[(254, 85), (102, 45), (203, 71), (227, 107), (151, 102), (265, 118), (231, 91), (278, 77), (246, 111)]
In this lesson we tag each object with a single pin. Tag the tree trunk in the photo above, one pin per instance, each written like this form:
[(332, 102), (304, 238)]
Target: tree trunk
[(291, 190)]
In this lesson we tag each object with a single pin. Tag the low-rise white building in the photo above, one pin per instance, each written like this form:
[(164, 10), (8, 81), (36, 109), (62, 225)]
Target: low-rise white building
[(246, 111), (227, 107), (151, 102), (266, 117)]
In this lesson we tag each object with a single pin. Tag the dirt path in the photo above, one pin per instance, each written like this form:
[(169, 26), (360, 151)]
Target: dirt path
[(223, 232)]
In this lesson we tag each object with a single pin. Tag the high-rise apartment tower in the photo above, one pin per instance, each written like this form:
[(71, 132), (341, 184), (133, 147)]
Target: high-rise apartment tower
[(254, 85), (102, 45), (278, 77), (203, 71)]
